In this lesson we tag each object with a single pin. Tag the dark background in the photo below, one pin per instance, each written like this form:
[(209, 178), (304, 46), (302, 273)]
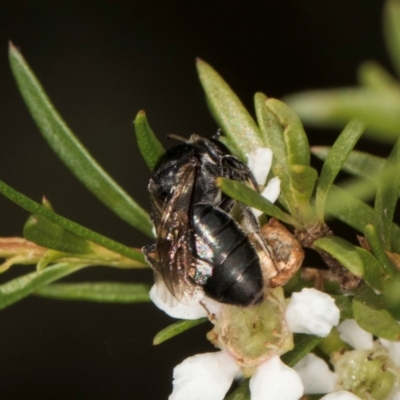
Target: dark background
[(101, 62)]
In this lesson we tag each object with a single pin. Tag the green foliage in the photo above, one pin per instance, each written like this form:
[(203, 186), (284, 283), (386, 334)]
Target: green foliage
[(176, 329), (70, 150), (149, 146), (103, 292)]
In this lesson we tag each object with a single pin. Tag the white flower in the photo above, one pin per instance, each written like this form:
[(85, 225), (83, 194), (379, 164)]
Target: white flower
[(351, 333), (315, 374), (209, 376), (273, 380), (313, 312), (393, 349), (204, 376), (340, 395), (259, 162)]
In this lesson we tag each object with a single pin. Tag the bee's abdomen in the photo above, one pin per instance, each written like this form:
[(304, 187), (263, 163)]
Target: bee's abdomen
[(236, 277)]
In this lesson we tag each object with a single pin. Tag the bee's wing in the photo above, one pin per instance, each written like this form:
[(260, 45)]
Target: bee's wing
[(175, 236)]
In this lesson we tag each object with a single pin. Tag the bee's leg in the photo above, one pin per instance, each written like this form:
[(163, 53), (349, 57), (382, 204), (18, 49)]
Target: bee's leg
[(149, 251), (252, 228)]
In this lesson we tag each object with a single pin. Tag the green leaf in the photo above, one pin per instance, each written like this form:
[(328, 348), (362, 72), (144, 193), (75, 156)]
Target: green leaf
[(150, 147), (248, 196), (228, 111), (349, 209), (271, 129), (370, 313), (343, 251), (373, 272), (303, 344), (334, 108), (298, 150), (242, 392), (334, 162), (358, 261), (388, 194), (391, 25), (284, 134), (23, 286), (391, 296), (41, 231), (37, 209), (303, 178), (102, 292), (71, 151), (358, 163), (379, 251), (272, 132), (345, 306), (176, 329), (373, 76)]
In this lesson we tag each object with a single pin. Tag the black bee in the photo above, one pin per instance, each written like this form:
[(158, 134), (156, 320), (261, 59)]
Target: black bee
[(198, 243)]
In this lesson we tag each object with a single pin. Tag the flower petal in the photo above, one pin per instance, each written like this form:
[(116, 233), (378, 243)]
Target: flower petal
[(272, 190), (271, 193), (393, 349), (204, 376), (340, 395), (313, 312), (395, 395), (273, 380), (351, 333), (259, 162), (190, 308), (315, 375)]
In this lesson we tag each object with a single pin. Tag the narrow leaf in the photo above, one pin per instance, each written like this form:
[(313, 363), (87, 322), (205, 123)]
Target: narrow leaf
[(372, 75), (71, 151), (272, 132), (303, 178), (271, 129), (23, 286), (102, 292), (149, 146), (379, 251), (335, 160), (41, 231), (391, 25), (303, 344), (176, 329), (298, 150), (370, 313), (358, 163), (343, 251), (245, 195), (345, 306), (388, 194), (37, 209), (334, 108), (349, 209), (373, 272), (391, 296), (242, 392), (228, 111)]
